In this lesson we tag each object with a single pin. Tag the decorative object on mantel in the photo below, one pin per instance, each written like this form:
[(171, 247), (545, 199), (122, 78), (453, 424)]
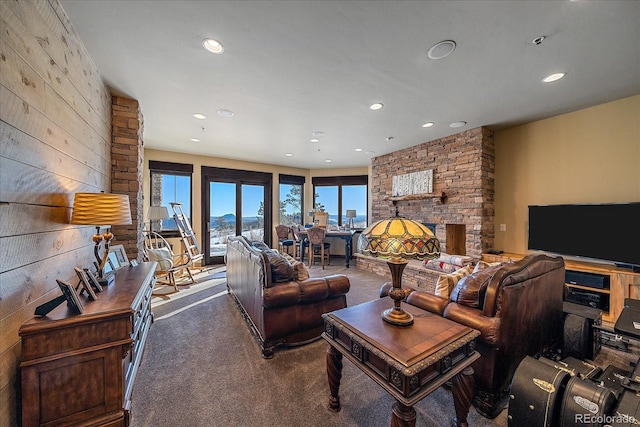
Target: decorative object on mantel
[(101, 210), (412, 183), (442, 196), (399, 239)]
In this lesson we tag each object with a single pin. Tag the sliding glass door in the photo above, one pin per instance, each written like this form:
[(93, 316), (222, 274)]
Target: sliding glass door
[(236, 203)]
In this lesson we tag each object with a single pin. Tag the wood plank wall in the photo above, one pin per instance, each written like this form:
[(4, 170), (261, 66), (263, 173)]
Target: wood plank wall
[(55, 140)]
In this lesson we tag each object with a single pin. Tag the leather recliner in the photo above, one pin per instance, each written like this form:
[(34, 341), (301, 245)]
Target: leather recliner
[(517, 308)]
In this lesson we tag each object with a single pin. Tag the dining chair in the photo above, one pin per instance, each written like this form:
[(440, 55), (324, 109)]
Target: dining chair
[(284, 240), (317, 246)]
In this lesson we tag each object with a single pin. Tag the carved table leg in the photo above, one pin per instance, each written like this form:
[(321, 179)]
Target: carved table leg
[(403, 415), (462, 391), (334, 374)]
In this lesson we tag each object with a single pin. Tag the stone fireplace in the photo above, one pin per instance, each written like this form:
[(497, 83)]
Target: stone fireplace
[(463, 169)]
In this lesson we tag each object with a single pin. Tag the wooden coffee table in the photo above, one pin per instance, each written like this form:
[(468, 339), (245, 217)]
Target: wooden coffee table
[(409, 362)]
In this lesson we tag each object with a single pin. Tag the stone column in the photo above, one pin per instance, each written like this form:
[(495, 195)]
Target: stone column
[(127, 156)]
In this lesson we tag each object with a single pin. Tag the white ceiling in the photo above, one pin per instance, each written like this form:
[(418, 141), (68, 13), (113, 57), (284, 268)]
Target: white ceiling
[(294, 67)]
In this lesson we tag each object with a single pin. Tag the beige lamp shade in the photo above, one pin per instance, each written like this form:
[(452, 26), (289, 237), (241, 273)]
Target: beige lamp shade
[(398, 237), (156, 213), (351, 213), (101, 209)]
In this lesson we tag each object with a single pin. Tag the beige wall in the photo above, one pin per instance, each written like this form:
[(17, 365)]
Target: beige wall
[(199, 161), (587, 156), (55, 140)]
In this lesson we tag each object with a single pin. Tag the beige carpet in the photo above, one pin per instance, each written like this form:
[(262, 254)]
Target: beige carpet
[(202, 367)]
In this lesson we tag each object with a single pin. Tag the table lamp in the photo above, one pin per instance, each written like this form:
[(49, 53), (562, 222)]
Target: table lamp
[(351, 213), (157, 213), (101, 210), (398, 239)]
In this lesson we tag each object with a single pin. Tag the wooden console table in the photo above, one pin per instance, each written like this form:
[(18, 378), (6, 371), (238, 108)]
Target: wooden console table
[(409, 362), (79, 369)]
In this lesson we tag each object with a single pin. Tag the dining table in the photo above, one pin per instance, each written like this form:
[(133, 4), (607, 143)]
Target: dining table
[(346, 235)]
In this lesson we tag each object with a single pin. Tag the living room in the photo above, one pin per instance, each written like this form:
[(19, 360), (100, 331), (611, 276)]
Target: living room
[(56, 127)]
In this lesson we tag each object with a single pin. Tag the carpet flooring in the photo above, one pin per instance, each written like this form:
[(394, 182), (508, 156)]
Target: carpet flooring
[(202, 367)]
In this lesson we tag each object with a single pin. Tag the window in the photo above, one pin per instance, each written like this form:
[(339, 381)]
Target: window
[(338, 194), (170, 182), (291, 199)]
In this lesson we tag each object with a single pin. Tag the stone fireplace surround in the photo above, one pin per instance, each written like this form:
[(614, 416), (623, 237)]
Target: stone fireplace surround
[(463, 167)]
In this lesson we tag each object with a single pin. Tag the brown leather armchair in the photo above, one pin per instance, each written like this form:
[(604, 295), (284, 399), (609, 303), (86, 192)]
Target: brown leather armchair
[(518, 310)]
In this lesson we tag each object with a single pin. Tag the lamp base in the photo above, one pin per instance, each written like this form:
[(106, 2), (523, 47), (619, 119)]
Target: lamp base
[(397, 317)]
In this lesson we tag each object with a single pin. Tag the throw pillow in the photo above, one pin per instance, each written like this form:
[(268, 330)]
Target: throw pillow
[(300, 271), (281, 270), (481, 265), (446, 282), (162, 256), (471, 289), (437, 265)]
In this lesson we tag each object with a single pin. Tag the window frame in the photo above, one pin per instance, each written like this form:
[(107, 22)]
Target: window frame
[(174, 169), (339, 181), (292, 180)]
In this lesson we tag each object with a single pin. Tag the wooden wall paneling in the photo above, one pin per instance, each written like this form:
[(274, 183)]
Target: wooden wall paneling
[(34, 123), (55, 139), (20, 78), (23, 148)]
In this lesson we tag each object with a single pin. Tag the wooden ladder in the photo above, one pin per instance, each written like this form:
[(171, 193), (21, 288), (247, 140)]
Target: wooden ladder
[(192, 250)]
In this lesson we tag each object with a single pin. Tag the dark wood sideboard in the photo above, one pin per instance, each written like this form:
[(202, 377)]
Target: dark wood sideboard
[(79, 369)]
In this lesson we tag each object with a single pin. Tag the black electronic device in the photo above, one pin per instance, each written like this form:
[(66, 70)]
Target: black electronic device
[(589, 299), (598, 231), (590, 280)]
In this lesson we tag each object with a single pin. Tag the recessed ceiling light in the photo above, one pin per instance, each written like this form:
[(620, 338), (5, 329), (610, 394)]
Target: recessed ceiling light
[(314, 140), (318, 133), (428, 125), (389, 139), (358, 149), (457, 124), (195, 140), (288, 154), (327, 161), (554, 77), (538, 40), (213, 46), (442, 49), (199, 116), (376, 106), (226, 113)]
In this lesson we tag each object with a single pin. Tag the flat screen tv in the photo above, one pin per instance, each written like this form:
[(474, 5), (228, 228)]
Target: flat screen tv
[(607, 232)]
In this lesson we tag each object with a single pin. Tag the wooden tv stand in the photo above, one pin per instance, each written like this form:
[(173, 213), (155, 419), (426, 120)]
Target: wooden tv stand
[(79, 369), (623, 283)]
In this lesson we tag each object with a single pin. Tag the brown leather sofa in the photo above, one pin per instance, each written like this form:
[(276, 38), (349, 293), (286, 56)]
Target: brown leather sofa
[(279, 310), (516, 307)]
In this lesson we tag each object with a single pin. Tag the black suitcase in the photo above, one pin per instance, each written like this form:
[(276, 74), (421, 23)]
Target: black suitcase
[(594, 320), (627, 414), (612, 378), (585, 403), (536, 393), (574, 367)]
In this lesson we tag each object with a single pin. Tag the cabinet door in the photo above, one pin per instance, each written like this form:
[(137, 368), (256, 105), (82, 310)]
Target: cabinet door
[(73, 389)]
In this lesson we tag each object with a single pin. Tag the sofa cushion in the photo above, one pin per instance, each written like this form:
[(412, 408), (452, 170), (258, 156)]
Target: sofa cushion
[(481, 265), (470, 289), (447, 282), (300, 271), (281, 270)]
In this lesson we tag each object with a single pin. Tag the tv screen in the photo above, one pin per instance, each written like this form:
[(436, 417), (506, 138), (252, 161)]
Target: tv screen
[(609, 232)]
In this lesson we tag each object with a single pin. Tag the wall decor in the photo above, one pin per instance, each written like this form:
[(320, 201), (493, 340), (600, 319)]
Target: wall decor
[(420, 182)]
